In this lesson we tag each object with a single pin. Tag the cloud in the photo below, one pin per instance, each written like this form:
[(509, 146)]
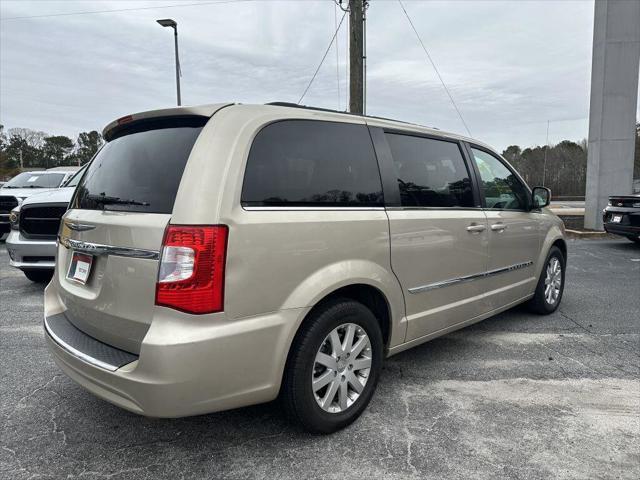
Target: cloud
[(511, 66)]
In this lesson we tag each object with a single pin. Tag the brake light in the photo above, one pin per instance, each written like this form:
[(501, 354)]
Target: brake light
[(191, 274)]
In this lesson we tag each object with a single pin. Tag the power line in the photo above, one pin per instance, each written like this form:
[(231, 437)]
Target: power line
[(434, 67), (90, 12), (323, 57)]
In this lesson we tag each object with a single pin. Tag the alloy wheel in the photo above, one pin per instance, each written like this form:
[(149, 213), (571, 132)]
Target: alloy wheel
[(553, 281), (341, 368)]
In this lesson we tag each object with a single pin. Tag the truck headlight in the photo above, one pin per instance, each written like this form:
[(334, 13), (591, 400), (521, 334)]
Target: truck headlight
[(14, 218)]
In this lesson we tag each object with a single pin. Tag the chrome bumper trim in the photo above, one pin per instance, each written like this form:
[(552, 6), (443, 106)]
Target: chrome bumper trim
[(468, 278), (32, 265)]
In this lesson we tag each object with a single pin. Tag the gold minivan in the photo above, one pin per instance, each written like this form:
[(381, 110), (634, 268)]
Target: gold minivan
[(219, 256)]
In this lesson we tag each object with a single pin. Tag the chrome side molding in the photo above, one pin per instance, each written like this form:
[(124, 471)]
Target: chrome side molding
[(309, 209), (100, 249), (468, 278)]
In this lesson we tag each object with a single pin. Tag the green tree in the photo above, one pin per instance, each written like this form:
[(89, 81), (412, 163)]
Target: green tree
[(87, 145), (6, 168), (3, 138), (56, 150), (24, 145), (512, 153)]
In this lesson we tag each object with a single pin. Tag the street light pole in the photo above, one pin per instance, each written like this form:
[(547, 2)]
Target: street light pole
[(168, 22)]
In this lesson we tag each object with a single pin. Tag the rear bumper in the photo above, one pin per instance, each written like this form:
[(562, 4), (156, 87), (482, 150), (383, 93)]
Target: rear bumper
[(28, 254), (625, 230), (629, 224), (189, 365)]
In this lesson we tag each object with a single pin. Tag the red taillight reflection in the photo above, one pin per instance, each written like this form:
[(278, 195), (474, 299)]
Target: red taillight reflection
[(203, 289)]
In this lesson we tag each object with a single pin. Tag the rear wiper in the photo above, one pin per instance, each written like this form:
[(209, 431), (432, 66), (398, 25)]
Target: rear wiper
[(107, 200)]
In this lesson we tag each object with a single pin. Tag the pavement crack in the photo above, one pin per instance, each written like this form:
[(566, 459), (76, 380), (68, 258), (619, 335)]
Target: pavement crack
[(408, 435), (584, 347), (151, 443), (55, 429), (39, 388), (571, 358), (564, 315)]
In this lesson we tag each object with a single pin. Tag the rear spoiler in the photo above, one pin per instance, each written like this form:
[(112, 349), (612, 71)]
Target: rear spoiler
[(160, 119)]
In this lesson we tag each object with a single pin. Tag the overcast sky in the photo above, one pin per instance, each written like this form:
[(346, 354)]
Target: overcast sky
[(510, 65)]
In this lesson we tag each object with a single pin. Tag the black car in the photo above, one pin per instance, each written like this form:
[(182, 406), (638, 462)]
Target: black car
[(622, 216)]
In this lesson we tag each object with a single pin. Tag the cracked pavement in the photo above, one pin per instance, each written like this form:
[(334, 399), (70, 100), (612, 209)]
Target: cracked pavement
[(517, 396)]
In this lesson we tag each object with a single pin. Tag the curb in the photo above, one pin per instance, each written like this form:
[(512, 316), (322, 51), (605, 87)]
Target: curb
[(586, 234)]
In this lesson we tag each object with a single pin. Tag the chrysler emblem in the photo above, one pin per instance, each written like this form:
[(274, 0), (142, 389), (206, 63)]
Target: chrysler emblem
[(79, 227)]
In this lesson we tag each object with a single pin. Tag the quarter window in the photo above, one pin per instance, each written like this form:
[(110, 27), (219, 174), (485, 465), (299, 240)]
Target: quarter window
[(430, 173), (502, 189), (307, 163)]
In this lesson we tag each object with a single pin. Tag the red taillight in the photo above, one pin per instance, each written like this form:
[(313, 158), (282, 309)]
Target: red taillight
[(191, 274)]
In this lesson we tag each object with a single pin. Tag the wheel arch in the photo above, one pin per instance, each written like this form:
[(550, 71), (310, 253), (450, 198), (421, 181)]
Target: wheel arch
[(554, 238), (369, 296), (365, 293), (562, 245)]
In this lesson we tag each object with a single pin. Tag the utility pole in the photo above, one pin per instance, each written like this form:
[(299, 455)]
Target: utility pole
[(356, 56), (544, 165), (21, 164)]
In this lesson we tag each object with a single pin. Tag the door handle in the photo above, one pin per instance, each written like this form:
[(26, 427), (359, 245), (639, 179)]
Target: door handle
[(476, 228), (498, 227)]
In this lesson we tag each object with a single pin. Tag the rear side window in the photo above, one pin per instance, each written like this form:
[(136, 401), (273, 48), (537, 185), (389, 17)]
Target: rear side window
[(431, 173), (312, 163), (139, 171)]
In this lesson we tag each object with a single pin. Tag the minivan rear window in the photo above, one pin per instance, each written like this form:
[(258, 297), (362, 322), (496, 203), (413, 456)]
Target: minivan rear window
[(139, 171), (312, 163)]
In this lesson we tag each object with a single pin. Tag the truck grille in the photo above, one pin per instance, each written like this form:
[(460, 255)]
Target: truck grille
[(41, 221), (625, 202), (7, 203)]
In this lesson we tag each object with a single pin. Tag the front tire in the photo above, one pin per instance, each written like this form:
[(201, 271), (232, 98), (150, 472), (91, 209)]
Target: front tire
[(38, 276), (550, 284), (333, 366), (635, 239)]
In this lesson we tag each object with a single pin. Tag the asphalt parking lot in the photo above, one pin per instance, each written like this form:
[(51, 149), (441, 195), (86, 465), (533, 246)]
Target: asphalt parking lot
[(517, 396)]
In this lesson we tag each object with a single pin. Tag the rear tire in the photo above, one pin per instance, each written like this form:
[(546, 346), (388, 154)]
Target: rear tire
[(348, 326), (635, 239), (38, 276), (550, 284)]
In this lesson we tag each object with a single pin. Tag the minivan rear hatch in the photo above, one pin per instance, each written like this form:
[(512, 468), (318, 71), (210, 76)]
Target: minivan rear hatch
[(111, 237)]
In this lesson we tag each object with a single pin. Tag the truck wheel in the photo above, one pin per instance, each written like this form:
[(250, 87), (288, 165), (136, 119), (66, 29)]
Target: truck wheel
[(333, 366), (39, 276)]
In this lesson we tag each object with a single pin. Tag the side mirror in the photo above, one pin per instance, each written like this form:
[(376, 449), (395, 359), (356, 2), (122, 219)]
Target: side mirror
[(540, 197)]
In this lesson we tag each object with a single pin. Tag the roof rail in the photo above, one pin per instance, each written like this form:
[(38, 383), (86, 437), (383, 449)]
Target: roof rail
[(307, 107), (320, 109)]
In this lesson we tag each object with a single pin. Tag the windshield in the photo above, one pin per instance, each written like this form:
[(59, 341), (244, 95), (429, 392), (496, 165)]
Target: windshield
[(35, 180), (73, 181), (139, 171)]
